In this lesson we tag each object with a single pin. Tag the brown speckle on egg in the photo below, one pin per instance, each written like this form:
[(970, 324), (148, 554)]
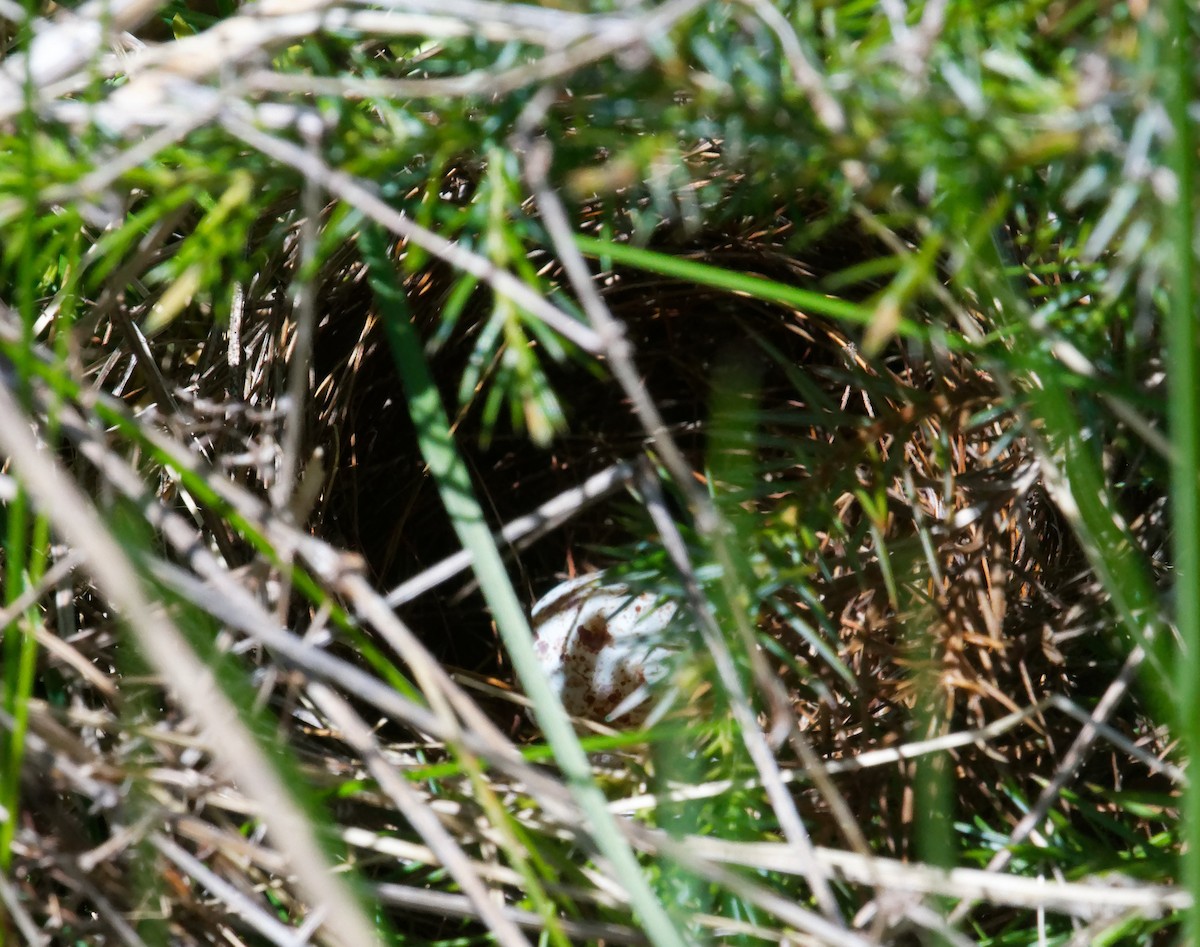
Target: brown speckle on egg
[(599, 643), (593, 634)]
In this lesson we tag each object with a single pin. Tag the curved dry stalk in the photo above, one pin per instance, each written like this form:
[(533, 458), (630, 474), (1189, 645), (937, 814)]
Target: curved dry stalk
[(1074, 898)]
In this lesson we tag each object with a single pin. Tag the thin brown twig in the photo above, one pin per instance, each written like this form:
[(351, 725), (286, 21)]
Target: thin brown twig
[(299, 361), (103, 907)]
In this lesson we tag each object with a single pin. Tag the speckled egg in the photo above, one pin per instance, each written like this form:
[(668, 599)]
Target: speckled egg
[(598, 643)]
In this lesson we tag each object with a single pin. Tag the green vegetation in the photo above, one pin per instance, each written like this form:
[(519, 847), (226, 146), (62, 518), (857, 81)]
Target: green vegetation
[(864, 332)]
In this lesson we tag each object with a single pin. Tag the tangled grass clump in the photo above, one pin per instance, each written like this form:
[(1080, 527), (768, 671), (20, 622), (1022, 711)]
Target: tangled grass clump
[(333, 337)]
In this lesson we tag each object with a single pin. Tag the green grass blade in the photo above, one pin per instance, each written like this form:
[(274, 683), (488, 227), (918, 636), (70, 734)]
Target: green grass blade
[(1183, 370), (454, 486), (21, 556), (758, 287)]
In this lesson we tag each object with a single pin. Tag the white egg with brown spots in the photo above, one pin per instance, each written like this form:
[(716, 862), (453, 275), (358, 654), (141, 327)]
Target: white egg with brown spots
[(599, 644)]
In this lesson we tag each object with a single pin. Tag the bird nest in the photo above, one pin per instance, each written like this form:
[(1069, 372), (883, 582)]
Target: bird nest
[(922, 581), (911, 587)]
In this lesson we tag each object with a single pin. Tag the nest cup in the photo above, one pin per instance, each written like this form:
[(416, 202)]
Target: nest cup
[(969, 624)]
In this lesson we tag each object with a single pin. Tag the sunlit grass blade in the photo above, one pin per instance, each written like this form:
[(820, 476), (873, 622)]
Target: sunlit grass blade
[(731, 281), (1177, 49)]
